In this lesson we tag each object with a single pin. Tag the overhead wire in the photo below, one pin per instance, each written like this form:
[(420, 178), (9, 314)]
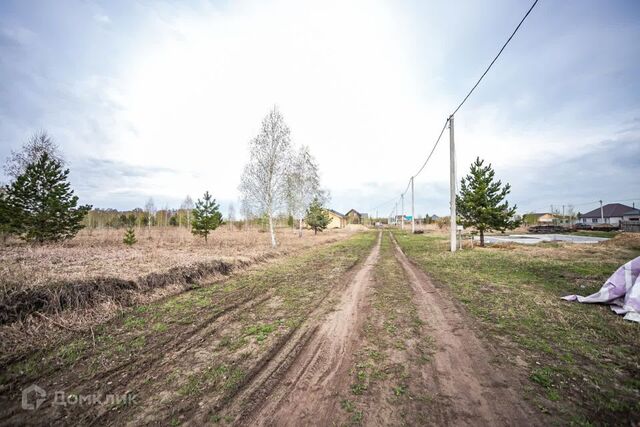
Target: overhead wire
[(468, 95)]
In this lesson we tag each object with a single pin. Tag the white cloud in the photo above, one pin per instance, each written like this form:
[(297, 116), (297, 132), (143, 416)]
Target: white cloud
[(176, 91)]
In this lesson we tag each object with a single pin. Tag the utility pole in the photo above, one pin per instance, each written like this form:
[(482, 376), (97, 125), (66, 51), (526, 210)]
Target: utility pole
[(452, 183), (601, 213), (402, 213), (413, 215)]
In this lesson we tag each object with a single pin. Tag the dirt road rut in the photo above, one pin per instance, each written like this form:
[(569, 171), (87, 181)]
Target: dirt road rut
[(305, 393), (304, 386)]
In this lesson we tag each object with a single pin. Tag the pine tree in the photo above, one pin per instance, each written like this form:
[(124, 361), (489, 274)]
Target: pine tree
[(206, 216), (481, 203), (42, 204), (317, 217), (129, 237), (6, 219)]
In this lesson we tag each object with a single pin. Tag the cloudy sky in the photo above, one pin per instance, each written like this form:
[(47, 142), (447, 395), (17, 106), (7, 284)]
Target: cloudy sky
[(160, 99)]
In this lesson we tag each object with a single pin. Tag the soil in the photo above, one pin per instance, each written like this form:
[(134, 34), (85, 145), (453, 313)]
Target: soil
[(475, 386), (304, 376)]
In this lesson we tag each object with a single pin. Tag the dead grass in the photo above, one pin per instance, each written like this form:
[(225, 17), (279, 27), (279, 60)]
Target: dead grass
[(68, 287), (187, 355), (101, 253)]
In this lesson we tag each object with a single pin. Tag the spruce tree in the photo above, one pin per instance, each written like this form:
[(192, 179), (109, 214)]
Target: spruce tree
[(206, 216), (317, 217), (129, 237), (42, 204), (481, 203)]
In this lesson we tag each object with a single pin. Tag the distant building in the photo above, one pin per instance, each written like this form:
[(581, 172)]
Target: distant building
[(542, 218), (611, 213), (355, 217), (632, 215), (337, 219)]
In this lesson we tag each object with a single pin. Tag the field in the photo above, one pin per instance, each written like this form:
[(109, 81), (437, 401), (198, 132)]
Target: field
[(87, 280), (582, 360), (367, 328)]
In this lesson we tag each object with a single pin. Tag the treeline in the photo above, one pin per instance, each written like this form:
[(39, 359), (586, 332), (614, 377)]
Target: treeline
[(116, 219), (113, 218)]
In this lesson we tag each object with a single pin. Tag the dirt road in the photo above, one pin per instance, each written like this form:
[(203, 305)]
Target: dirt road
[(469, 385), (353, 334), (477, 389), (305, 393)]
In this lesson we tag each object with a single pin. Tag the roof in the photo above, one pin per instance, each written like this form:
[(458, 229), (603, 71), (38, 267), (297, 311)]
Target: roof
[(354, 211), (539, 214), (632, 212), (612, 209), (336, 213)]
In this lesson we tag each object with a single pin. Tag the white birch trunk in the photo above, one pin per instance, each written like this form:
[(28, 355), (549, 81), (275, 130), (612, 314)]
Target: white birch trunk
[(273, 233)]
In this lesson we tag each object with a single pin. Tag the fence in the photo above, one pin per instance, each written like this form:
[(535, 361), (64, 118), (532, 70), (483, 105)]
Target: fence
[(630, 226)]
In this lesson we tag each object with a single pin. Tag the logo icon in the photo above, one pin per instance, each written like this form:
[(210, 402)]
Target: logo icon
[(32, 397)]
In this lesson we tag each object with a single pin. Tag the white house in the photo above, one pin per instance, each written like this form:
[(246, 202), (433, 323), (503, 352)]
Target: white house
[(612, 214), (632, 215)]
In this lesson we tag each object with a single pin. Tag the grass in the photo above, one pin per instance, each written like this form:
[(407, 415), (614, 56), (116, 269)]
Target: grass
[(587, 233), (582, 358), (393, 350), (147, 340), (96, 264)]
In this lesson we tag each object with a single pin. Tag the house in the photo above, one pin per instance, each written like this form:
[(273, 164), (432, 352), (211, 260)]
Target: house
[(611, 213), (355, 217), (337, 219), (542, 218), (632, 215)]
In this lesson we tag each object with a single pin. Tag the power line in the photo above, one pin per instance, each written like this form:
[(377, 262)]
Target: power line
[(433, 149), (428, 157), (468, 95), (496, 58)]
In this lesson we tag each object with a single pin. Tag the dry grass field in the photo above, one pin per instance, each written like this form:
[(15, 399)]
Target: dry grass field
[(101, 253), (91, 278)]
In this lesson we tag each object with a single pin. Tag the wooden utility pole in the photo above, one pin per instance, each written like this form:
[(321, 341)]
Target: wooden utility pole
[(452, 184)]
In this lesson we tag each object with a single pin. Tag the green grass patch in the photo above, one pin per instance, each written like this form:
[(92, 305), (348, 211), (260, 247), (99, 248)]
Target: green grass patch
[(514, 292)]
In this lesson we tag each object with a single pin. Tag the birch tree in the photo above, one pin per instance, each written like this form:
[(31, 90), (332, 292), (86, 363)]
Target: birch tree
[(231, 215), (39, 143), (187, 207), (264, 180), (150, 208), (303, 185)]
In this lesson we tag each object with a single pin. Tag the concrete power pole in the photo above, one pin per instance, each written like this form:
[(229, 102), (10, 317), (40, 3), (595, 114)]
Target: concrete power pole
[(601, 213), (413, 214), (402, 213), (452, 183)]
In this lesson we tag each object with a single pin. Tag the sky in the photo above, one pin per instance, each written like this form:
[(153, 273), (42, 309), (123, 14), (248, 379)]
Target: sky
[(160, 99)]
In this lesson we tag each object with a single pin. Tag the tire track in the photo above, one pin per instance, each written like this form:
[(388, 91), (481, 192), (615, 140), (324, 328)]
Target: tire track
[(301, 389), (473, 390)]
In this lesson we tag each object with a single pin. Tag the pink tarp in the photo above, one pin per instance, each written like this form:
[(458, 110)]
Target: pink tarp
[(621, 290)]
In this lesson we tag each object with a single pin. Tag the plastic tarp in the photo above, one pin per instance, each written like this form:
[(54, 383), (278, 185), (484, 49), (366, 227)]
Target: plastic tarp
[(621, 290)]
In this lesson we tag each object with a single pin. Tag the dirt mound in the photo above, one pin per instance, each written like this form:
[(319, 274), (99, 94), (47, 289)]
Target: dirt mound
[(625, 240), (60, 296)]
